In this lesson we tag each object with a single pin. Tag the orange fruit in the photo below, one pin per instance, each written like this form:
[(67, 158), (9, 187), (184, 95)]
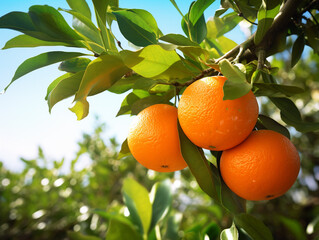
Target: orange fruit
[(211, 122), (153, 139), (262, 167)]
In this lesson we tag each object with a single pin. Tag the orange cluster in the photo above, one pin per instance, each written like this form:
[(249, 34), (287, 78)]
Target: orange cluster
[(256, 165)]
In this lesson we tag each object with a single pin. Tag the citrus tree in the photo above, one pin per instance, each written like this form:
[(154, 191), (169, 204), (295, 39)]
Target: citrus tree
[(218, 81)]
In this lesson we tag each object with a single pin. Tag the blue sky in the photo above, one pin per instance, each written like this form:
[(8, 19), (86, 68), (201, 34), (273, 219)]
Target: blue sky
[(25, 122)]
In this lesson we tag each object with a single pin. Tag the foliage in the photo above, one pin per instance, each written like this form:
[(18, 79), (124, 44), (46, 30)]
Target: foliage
[(158, 72)]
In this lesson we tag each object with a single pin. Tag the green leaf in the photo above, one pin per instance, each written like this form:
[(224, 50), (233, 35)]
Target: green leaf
[(197, 32), (276, 90), (143, 103), (149, 19), (297, 50), (287, 108), (48, 20), (121, 230), (161, 196), (99, 75), (269, 123), (211, 231), (256, 229), (84, 26), (63, 87), (231, 201), (155, 62), (80, 236), (80, 6), (226, 23), (266, 14), (137, 201), (124, 84), (230, 233), (221, 44), (28, 41), (130, 99), (125, 150), (135, 28), (197, 10), (172, 229), (22, 22), (100, 7), (294, 227), (178, 39), (74, 65), (236, 85), (42, 60), (290, 114), (311, 31), (106, 36), (205, 173)]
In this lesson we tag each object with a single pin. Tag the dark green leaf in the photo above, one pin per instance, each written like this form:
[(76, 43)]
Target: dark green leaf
[(220, 12), (99, 75), (266, 14), (256, 229), (269, 123), (276, 90), (80, 6), (48, 20), (212, 231), (42, 60), (121, 230), (149, 19), (137, 200), (172, 228), (162, 198), (311, 31), (287, 108), (290, 114), (206, 175), (28, 41), (230, 233), (63, 87), (125, 150), (231, 201), (22, 22), (74, 65), (155, 62), (197, 10), (297, 50), (80, 236), (236, 85), (134, 28), (294, 227), (178, 39), (197, 32)]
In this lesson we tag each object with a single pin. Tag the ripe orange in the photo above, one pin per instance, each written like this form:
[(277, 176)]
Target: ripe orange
[(211, 122), (153, 139), (262, 167)]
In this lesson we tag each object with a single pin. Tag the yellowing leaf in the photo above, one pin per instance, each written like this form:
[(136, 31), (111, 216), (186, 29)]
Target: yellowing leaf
[(81, 109), (99, 75)]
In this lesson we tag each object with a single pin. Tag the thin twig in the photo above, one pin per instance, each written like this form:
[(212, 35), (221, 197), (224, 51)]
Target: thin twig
[(242, 15)]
